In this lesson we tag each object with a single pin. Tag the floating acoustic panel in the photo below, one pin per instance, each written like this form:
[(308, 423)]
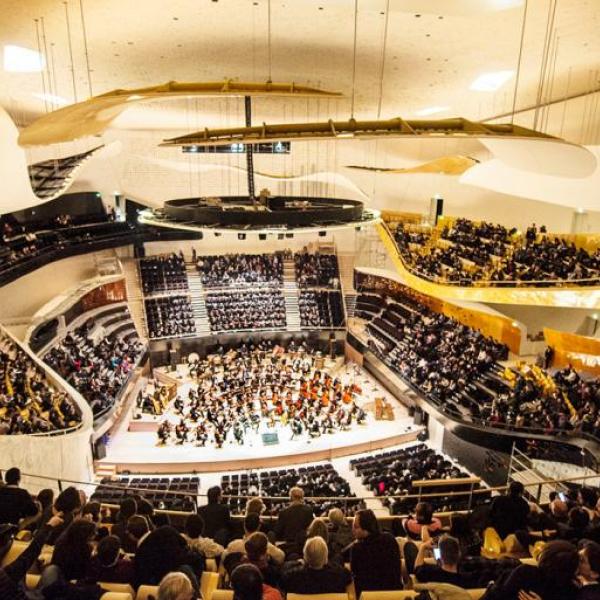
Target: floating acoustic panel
[(93, 116), (446, 165), (51, 178), (354, 129)]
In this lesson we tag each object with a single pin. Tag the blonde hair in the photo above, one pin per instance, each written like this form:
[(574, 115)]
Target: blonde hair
[(318, 528), (296, 494), (316, 552), (255, 505), (175, 586), (336, 516)]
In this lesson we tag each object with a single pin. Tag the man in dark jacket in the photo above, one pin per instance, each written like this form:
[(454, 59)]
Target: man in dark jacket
[(15, 502), (509, 513), (374, 557), (216, 517), (294, 519)]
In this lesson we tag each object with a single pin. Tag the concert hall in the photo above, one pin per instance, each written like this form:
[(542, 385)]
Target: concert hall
[(299, 300)]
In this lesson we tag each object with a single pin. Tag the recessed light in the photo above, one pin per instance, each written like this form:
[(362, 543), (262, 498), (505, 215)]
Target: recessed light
[(432, 110), (22, 60), (490, 82), (417, 16)]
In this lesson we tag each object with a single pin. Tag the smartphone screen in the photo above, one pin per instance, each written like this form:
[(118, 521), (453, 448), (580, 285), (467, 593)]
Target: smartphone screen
[(437, 554), (562, 496)]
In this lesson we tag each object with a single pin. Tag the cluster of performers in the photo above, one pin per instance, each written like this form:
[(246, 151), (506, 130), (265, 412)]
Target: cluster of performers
[(258, 388)]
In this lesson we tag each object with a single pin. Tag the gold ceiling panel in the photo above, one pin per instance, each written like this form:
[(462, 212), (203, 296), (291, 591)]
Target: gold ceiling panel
[(456, 127), (94, 115), (445, 165)]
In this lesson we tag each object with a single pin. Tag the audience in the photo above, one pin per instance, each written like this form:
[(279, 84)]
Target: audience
[(252, 524), (233, 270), (260, 309), (321, 309), (446, 568), (169, 316), (247, 584), (216, 517), (163, 274), (29, 402), (176, 586), (99, 371), (15, 502), (316, 270)]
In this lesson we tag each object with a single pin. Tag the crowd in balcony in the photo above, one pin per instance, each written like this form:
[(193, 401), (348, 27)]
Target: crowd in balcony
[(321, 309), (163, 274), (468, 252), (98, 370), (169, 316), (82, 545), (316, 269), (261, 309), (29, 402), (231, 270)]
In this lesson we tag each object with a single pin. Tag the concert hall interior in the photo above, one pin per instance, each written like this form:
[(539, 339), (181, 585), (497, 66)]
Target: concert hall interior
[(299, 300)]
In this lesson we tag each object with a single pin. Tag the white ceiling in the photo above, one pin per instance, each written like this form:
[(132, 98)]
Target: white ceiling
[(435, 50)]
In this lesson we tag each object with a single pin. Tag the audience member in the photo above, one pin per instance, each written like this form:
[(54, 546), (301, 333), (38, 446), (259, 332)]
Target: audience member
[(176, 586), (216, 517), (194, 529), (293, 520), (446, 568), (251, 525), (15, 502), (247, 584), (509, 513)]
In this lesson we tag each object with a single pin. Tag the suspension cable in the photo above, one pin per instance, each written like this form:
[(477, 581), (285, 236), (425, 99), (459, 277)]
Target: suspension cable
[(354, 60), (383, 53), (70, 51), (270, 48), (514, 105), (85, 47)]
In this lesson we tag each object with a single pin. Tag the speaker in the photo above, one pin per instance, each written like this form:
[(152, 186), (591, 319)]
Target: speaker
[(99, 450), (436, 209), (419, 416)]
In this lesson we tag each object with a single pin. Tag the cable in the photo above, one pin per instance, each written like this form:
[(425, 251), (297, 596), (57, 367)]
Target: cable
[(354, 60), (70, 51), (383, 52), (85, 47), (514, 105), (545, 53), (269, 41), (37, 35)]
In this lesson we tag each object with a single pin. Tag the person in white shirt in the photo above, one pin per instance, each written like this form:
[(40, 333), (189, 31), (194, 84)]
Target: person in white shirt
[(252, 525)]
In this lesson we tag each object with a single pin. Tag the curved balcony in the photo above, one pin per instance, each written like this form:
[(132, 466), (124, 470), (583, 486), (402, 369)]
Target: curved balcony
[(559, 293)]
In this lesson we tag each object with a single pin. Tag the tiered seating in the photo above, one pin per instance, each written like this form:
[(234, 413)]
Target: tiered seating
[(393, 473), (435, 353), (176, 493), (24, 248), (321, 308), (315, 480), (169, 316), (231, 270), (29, 403), (261, 309), (469, 252), (99, 371), (316, 270), (368, 305), (163, 274)]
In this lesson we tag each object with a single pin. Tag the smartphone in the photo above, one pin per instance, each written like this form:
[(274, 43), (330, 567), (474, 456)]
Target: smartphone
[(437, 554), (562, 496)]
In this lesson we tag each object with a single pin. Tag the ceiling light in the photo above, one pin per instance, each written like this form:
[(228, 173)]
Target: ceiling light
[(134, 96), (22, 60), (56, 100), (432, 110), (348, 134), (490, 82)]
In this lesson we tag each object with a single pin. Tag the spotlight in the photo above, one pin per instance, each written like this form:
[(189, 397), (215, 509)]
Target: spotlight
[(241, 236), (262, 236)]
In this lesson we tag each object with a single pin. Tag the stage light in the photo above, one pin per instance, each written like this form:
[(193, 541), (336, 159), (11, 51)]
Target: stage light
[(280, 236), (262, 236), (289, 236), (241, 236), (322, 233)]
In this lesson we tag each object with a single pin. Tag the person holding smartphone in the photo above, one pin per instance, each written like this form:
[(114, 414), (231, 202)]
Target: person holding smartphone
[(447, 556)]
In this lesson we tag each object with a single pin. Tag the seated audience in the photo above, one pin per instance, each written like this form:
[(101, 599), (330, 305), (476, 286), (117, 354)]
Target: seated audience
[(316, 270), (247, 584), (340, 532), (374, 556), (73, 550), (176, 586), (446, 569), (315, 575), (252, 524), (163, 274), (169, 316), (589, 571), (423, 519), (232, 270), (108, 564), (194, 528)]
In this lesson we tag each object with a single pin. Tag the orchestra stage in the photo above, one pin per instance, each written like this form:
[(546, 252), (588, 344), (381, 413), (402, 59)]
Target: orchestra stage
[(134, 444)]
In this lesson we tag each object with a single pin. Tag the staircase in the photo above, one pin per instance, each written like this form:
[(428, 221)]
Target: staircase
[(346, 266), (197, 299), (135, 298), (291, 295)]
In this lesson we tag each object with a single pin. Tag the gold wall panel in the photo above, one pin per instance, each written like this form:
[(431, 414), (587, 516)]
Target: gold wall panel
[(580, 351), (563, 296)]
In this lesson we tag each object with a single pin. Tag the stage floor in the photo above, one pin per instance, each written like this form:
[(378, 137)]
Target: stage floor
[(139, 452)]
